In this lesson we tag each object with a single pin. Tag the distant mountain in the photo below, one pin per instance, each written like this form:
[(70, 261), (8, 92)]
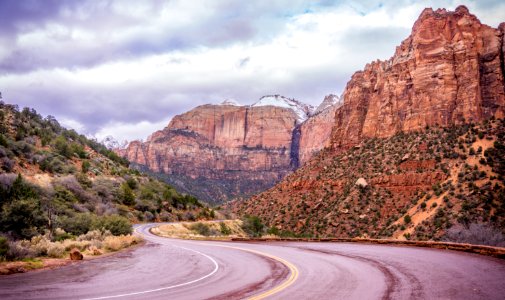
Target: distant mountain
[(302, 110), (329, 101), (220, 152), (111, 143)]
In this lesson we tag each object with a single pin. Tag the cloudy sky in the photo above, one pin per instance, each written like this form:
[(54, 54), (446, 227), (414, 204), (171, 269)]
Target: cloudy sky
[(124, 68)]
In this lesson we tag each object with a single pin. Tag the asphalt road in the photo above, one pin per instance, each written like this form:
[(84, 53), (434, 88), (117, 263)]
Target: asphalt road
[(175, 269)]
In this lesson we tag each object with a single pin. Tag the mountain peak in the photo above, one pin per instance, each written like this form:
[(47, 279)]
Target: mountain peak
[(302, 110), (111, 143), (329, 101)]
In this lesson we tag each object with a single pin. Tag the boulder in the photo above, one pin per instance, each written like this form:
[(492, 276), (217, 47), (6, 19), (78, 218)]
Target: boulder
[(75, 254), (361, 182)]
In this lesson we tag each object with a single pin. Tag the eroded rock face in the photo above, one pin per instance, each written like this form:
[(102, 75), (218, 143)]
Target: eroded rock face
[(315, 133), (448, 71), (235, 149)]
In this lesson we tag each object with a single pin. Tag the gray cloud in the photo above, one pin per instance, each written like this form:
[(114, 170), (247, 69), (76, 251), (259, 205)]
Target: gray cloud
[(107, 62)]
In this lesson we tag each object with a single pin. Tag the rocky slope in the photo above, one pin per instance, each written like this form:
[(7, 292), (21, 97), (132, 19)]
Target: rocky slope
[(448, 72), (412, 185)]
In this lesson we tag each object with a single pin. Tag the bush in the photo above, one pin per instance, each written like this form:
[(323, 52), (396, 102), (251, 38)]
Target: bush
[(4, 247), (253, 226), (116, 224), (225, 230), (17, 251), (201, 229), (115, 243), (407, 219), (127, 195), (79, 224), (55, 250)]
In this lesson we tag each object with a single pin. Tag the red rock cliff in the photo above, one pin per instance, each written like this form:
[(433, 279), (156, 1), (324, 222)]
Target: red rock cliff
[(450, 70), (225, 149)]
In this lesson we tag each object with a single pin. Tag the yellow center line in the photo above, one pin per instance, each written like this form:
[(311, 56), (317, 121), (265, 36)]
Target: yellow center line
[(294, 273)]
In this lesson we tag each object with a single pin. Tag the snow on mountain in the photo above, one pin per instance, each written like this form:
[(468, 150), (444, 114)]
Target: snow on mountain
[(302, 110), (328, 102), (111, 143)]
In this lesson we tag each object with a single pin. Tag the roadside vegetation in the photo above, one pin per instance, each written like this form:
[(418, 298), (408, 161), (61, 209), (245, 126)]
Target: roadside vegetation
[(57, 188)]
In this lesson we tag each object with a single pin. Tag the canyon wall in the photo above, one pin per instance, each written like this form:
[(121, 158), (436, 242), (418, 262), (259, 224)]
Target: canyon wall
[(402, 146), (221, 151), (450, 70)]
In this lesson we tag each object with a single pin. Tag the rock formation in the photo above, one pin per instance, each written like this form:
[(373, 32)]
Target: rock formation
[(450, 70), (407, 128), (315, 133), (218, 152), (226, 150)]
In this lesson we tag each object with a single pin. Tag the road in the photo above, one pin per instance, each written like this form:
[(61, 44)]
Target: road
[(175, 269)]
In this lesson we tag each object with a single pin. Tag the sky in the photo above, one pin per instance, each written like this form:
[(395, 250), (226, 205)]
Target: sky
[(125, 68)]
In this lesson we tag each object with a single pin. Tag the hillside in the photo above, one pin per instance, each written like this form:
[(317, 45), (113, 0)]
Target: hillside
[(414, 185), (416, 144), (53, 178)]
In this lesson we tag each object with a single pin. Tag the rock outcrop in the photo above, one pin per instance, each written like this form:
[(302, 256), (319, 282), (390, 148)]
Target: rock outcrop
[(315, 133), (450, 70)]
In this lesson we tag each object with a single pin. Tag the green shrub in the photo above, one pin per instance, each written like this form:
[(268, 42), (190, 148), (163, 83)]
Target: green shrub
[(78, 224), (253, 226), (4, 247), (225, 230), (127, 195), (407, 219), (201, 229), (85, 166), (116, 224)]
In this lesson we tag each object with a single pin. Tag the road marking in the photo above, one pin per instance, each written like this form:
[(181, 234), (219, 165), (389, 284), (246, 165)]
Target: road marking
[(294, 273), (216, 268)]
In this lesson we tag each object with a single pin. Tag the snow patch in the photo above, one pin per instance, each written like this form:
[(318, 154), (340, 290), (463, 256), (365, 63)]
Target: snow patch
[(111, 143), (302, 110)]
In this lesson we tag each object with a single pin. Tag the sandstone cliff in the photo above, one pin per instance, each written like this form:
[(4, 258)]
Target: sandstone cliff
[(450, 70), (399, 131), (221, 151), (315, 132)]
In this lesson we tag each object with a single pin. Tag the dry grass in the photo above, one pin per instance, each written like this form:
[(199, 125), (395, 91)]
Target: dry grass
[(188, 230), (115, 243), (92, 243)]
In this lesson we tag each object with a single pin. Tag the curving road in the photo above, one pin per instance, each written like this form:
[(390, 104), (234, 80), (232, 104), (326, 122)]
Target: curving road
[(175, 269)]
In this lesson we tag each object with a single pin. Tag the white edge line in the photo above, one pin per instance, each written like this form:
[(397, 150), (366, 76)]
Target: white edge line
[(216, 268)]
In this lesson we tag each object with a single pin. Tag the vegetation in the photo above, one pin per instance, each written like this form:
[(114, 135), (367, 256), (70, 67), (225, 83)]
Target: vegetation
[(54, 179), (92, 243), (420, 184), (253, 226)]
